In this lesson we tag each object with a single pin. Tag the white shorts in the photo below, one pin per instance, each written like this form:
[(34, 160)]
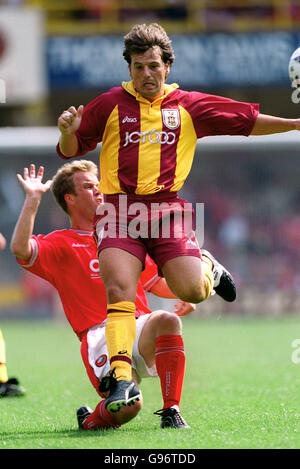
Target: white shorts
[(98, 356)]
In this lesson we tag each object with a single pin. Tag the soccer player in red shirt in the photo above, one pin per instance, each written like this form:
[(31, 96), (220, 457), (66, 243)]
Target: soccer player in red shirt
[(149, 131), (68, 260)]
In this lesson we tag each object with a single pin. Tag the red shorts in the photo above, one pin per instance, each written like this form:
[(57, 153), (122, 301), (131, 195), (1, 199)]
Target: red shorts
[(159, 224)]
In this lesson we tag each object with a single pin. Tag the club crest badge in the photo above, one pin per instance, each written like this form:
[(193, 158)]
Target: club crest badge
[(101, 361), (171, 118)]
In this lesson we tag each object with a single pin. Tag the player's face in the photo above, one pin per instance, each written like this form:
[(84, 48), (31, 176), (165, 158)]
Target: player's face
[(149, 73), (87, 196)]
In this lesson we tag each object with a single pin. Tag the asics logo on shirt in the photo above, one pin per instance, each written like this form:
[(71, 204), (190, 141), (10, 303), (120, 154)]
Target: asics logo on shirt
[(129, 119), (152, 136)]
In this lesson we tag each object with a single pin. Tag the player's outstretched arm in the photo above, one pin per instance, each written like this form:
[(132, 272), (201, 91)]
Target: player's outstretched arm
[(265, 125), (68, 122), (161, 289), (34, 189)]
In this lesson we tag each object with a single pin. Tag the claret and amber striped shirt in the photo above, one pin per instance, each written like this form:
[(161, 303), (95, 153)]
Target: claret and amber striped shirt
[(148, 147)]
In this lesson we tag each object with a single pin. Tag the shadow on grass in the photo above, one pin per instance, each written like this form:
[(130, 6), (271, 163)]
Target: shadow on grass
[(30, 434), (70, 433)]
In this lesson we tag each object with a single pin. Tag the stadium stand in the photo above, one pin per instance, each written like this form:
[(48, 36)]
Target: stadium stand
[(176, 16)]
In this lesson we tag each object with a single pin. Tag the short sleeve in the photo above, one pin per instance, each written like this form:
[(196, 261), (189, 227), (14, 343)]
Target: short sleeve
[(216, 115)]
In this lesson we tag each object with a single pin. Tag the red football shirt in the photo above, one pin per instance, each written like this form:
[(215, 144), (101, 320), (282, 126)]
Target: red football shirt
[(68, 260)]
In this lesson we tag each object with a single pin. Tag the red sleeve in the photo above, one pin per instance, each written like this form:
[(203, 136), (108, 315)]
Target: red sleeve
[(149, 276), (216, 115), (43, 255), (93, 123)]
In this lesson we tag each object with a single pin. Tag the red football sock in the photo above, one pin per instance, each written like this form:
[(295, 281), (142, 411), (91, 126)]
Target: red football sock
[(170, 365), (100, 418)]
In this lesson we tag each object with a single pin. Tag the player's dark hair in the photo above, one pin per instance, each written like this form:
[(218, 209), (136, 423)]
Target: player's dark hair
[(143, 37), (63, 182)]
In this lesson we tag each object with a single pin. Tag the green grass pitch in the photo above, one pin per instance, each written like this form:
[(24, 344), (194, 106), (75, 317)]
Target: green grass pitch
[(241, 389)]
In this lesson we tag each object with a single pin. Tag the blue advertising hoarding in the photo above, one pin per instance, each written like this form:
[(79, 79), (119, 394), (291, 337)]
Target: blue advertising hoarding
[(205, 60)]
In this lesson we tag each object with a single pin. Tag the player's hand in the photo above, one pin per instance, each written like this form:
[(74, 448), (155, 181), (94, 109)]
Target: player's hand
[(32, 182), (70, 120), (2, 242), (182, 308)]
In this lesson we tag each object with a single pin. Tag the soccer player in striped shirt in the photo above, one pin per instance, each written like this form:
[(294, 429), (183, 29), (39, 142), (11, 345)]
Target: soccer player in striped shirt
[(149, 131), (68, 260)]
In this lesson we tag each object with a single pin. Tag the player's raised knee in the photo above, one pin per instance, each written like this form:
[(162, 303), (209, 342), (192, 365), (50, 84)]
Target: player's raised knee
[(195, 293)]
